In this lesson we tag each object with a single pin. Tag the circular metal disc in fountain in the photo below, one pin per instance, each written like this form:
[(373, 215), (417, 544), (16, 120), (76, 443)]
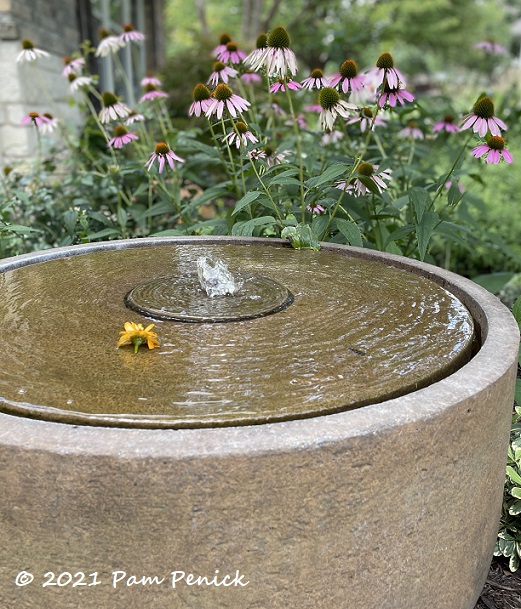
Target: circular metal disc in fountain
[(318, 332)]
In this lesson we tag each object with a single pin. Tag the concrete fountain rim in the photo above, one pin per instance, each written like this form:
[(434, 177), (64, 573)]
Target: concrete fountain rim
[(499, 338)]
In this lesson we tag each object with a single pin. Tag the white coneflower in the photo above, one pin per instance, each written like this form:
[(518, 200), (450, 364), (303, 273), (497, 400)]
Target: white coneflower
[(112, 108), (332, 106), (366, 171), (108, 44), (29, 52), (260, 46), (50, 125), (241, 134), (79, 82), (277, 58)]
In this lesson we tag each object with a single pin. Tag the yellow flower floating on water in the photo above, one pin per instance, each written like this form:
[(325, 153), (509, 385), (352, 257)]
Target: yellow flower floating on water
[(135, 334)]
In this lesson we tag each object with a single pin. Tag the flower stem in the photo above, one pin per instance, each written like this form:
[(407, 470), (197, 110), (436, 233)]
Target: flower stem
[(299, 152)]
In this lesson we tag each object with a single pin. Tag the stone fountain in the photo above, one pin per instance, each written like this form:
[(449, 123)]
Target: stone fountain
[(317, 429)]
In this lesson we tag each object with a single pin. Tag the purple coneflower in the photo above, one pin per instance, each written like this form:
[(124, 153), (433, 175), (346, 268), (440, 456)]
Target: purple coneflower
[(278, 58), (447, 124), (130, 34), (223, 97), (282, 83), (163, 154), (493, 150), (73, 66), (300, 119), (150, 79), (50, 125), (316, 208), (411, 131), (490, 47), (112, 108), (367, 120), (231, 53), (386, 73), (224, 39), (331, 137), (316, 80), (202, 98), (482, 118), (108, 44), (134, 117), (78, 82), (152, 93), (348, 78), (316, 108), (241, 134), (331, 106), (29, 52), (394, 96), (270, 155), (121, 137), (367, 171), (36, 119), (221, 72), (250, 77)]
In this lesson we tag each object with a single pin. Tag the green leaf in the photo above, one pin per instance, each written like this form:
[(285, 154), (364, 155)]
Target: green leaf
[(513, 475), (424, 229), (245, 229), (170, 232), (319, 225), (301, 237), (516, 310), (516, 492), (351, 232), (332, 172), (106, 232), (248, 198), (420, 199), (493, 282)]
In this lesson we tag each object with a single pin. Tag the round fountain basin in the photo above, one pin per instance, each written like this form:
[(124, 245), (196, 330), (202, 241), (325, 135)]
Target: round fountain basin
[(362, 465), (315, 333)]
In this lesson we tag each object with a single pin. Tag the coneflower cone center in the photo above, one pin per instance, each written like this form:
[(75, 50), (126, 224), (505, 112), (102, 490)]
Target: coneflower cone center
[(317, 73), (412, 125), (366, 113), (241, 127), (27, 44), (484, 108), (218, 66), (109, 99), (201, 92), (231, 46), (279, 38), (385, 61), (47, 115), (128, 27), (224, 39), (222, 92), (268, 151), (262, 41), (349, 69), (448, 118), (162, 148), (328, 98), (119, 131), (365, 169), (496, 143)]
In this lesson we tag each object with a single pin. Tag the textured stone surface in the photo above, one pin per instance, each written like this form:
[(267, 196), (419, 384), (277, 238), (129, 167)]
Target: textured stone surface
[(392, 505)]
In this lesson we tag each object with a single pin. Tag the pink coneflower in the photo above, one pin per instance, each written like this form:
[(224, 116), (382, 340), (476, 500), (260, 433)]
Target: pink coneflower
[(300, 119), (331, 137), (250, 77), (231, 54), (36, 119), (447, 124), (411, 131), (73, 66), (348, 78), (316, 80), (224, 39), (282, 83), (108, 44), (150, 79), (461, 188), (490, 47), (202, 98), (331, 106), (163, 154), (394, 96), (366, 171), (112, 108), (223, 97), (29, 52), (482, 118), (316, 208), (367, 120), (130, 34), (241, 134), (134, 117), (270, 155), (121, 137), (385, 72), (493, 150), (151, 94), (277, 58), (221, 72), (316, 108), (50, 125), (79, 82)]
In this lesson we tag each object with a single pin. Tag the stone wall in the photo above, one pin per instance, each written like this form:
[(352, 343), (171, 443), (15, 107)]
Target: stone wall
[(37, 86)]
